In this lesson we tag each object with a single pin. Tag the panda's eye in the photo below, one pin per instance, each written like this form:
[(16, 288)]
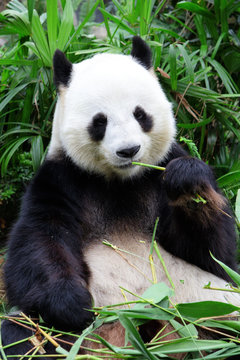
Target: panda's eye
[(99, 120), (98, 126), (139, 114), (143, 118)]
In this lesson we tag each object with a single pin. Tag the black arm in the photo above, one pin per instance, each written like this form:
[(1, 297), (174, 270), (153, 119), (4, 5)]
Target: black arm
[(45, 271), (191, 229)]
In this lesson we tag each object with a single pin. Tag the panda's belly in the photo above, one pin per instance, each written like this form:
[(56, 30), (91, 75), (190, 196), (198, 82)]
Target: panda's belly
[(126, 264)]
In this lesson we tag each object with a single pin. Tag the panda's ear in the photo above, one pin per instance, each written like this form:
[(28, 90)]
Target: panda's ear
[(62, 69), (141, 52)]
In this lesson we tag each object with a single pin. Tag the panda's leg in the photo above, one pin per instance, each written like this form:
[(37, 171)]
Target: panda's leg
[(46, 276), (198, 219)]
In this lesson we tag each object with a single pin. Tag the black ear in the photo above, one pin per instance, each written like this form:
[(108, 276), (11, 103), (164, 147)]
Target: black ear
[(62, 69), (141, 52)]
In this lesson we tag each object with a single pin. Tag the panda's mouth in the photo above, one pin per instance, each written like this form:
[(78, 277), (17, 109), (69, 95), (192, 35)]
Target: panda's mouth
[(125, 166)]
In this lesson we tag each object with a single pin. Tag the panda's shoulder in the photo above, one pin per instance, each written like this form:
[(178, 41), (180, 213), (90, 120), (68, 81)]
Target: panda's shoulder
[(54, 180), (174, 152), (56, 171)]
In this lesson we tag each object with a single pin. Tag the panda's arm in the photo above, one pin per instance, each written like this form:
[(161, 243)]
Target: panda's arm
[(45, 271), (194, 227)]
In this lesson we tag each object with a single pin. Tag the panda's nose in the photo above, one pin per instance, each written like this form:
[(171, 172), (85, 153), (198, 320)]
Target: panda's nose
[(128, 152)]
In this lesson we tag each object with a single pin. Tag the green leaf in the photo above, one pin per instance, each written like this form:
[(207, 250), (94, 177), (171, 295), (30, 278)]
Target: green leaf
[(195, 125), (76, 346), (147, 313), (52, 23), (201, 33), (195, 8), (155, 293), (229, 178), (120, 23), (9, 152), (191, 146), (30, 4), (224, 75), (237, 206), (10, 95), (18, 62), (233, 274), (40, 40), (187, 60), (135, 338), (173, 67), (185, 346), (184, 330), (18, 23), (206, 309), (37, 152), (233, 326), (66, 26), (82, 24)]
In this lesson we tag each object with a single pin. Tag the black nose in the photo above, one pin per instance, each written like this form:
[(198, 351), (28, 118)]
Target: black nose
[(128, 152)]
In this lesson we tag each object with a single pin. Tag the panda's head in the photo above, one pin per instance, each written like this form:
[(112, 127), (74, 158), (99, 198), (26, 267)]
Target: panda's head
[(111, 111)]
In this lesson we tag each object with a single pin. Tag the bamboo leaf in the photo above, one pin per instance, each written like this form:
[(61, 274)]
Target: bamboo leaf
[(187, 60), (9, 152), (30, 4), (120, 23), (185, 346), (40, 40), (76, 346), (229, 178), (52, 23), (37, 152), (193, 7), (233, 274), (82, 24), (237, 206), (66, 26), (11, 94), (135, 338), (184, 331), (173, 67), (206, 308)]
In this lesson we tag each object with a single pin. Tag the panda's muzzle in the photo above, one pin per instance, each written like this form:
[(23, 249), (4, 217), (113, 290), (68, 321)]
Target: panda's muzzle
[(128, 152)]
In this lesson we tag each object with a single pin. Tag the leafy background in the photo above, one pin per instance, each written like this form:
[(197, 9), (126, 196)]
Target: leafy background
[(196, 52)]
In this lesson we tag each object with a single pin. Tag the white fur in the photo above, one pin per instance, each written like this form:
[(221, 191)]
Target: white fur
[(114, 85), (130, 268)]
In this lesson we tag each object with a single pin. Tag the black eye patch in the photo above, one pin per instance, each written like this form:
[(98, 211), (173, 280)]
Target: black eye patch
[(143, 118), (98, 127)]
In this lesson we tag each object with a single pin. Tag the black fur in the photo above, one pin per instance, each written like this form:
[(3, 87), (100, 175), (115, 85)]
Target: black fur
[(98, 127), (144, 119), (62, 69), (141, 52)]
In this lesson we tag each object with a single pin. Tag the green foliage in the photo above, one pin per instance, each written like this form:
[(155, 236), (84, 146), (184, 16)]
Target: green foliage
[(186, 320)]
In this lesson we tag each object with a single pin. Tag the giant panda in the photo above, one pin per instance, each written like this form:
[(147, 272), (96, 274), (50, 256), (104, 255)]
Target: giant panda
[(111, 111)]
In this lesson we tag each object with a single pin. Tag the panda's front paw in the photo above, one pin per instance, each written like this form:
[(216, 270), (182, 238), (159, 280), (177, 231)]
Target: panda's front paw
[(67, 307), (188, 177)]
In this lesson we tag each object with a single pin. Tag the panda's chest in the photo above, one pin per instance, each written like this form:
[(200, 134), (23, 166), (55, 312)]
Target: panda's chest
[(120, 267), (118, 260), (117, 210)]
